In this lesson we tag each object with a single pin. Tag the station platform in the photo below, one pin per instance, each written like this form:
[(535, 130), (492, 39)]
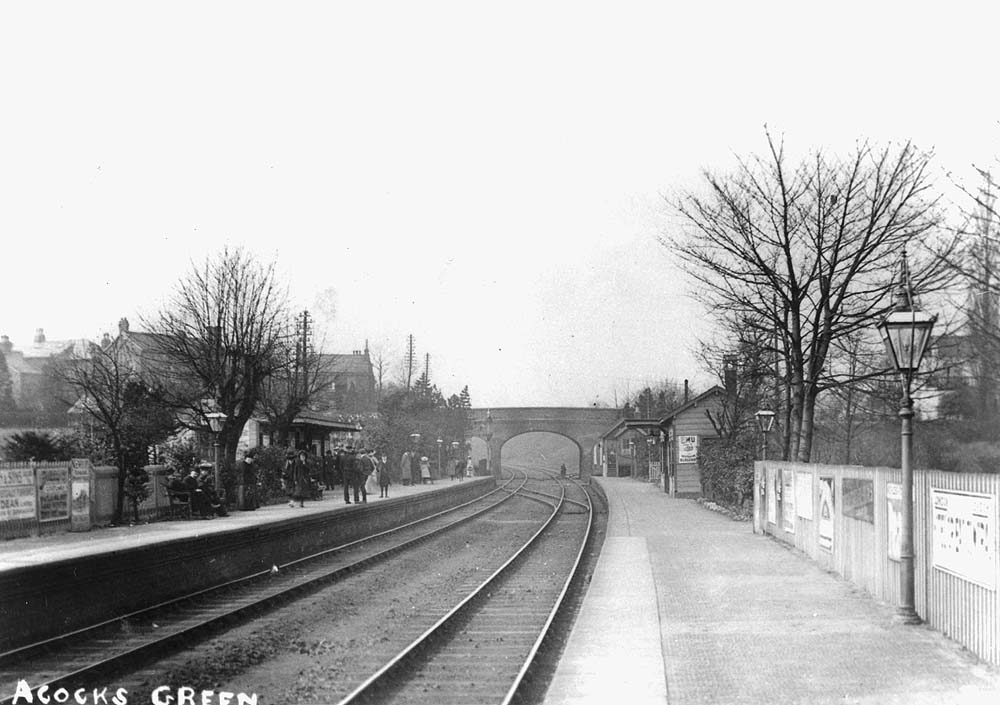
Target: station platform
[(50, 585), (42, 550), (688, 606)]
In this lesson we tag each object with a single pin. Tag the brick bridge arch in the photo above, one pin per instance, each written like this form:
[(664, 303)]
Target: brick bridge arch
[(582, 425)]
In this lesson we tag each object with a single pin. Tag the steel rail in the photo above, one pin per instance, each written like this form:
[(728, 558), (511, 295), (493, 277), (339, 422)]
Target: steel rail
[(370, 688)]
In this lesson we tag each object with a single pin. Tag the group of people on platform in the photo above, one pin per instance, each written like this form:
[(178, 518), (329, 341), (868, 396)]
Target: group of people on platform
[(416, 470), (360, 470), (199, 486)]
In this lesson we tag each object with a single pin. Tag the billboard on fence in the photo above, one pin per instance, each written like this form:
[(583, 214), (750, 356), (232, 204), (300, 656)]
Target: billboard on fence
[(894, 519), (804, 494), (964, 530), (858, 501), (53, 494), (788, 500), (772, 496), (17, 494), (826, 509)]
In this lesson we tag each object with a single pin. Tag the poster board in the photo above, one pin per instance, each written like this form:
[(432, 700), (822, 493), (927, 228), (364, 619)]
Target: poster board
[(81, 491), (804, 495), (17, 494), (894, 519), (687, 449), (788, 500), (858, 500), (827, 508), (53, 493), (964, 531), (772, 496)]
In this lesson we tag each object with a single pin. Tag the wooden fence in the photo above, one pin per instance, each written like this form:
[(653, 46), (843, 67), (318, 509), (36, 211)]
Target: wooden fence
[(847, 519)]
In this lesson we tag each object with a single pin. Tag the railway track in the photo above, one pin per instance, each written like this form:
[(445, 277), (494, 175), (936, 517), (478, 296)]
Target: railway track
[(482, 650), (84, 656)]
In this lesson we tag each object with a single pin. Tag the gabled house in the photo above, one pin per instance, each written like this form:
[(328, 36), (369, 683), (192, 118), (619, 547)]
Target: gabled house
[(33, 387), (684, 429)]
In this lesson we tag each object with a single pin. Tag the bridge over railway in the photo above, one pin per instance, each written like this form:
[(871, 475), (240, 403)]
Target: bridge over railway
[(582, 425)]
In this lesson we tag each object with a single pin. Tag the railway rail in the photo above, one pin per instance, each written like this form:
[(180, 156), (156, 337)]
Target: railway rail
[(84, 656), (482, 650)]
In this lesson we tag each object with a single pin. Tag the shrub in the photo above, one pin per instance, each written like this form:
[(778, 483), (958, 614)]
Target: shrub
[(727, 469)]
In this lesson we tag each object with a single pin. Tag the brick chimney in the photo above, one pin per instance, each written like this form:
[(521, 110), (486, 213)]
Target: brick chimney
[(39, 336), (105, 340), (5, 345)]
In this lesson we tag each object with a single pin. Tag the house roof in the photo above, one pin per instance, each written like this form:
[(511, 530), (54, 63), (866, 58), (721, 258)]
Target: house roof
[(674, 413), (341, 363)]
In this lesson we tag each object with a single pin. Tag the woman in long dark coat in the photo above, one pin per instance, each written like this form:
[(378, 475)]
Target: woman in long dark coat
[(297, 480)]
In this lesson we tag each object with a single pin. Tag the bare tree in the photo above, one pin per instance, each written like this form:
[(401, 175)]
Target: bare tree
[(806, 254), (122, 408), (299, 375), (220, 337)]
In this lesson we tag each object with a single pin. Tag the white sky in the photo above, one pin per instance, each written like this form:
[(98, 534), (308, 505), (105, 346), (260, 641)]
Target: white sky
[(489, 177)]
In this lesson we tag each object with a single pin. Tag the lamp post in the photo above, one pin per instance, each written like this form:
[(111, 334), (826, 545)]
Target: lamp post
[(454, 457), (215, 421), (765, 421), (905, 332), (649, 457), (440, 442)]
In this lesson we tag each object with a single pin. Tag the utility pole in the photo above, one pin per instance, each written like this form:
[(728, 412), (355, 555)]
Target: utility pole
[(409, 361)]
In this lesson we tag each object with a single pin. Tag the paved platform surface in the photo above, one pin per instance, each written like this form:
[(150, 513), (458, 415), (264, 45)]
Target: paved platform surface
[(688, 606), (46, 549)]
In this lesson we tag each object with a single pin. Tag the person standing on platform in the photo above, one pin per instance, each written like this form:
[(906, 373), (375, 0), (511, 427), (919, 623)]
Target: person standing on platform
[(425, 471), (297, 480), (250, 494), (470, 469), (406, 468), (328, 462), (345, 462), (562, 470), (360, 469), (372, 470), (384, 476)]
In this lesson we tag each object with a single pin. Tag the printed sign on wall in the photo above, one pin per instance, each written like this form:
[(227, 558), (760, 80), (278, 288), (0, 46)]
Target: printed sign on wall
[(804, 494), (894, 519), (788, 501), (53, 494), (965, 535), (687, 449), (772, 496), (826, 509), (859, 499)]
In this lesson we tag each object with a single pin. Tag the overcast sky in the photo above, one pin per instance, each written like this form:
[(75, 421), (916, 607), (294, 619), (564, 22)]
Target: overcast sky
[(488, 177)]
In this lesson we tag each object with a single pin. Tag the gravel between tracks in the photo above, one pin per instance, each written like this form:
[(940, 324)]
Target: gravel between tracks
[(318, 648)]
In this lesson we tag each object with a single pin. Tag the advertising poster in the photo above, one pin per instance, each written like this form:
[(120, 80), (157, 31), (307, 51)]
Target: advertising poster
[(894, 518), (53, 494), (17, 494), (80, 491), (788, 501), (687, 449), (826, 509), (964, 531), (772, 497), (804, 494), (859, 499)]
